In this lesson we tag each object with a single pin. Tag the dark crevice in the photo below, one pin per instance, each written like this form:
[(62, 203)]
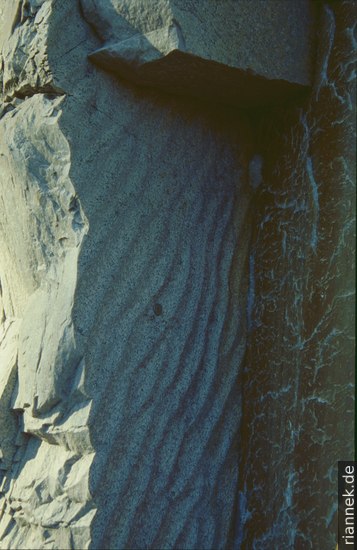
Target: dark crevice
[(27, 92)]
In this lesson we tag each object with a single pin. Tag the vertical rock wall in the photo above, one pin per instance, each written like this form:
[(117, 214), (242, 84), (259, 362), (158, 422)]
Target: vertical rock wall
[(299, 374), (172, 294), (45, 446), (130, 247)]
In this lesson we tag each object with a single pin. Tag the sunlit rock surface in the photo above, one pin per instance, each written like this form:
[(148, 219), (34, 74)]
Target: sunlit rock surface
[(175, 273)]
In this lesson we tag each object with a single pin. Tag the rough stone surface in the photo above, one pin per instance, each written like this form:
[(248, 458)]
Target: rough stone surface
[(175, 273), (228, 52), (298, 406)]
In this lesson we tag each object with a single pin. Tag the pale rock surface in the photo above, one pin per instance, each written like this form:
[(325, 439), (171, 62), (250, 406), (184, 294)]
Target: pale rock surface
[(41, 229), (25, 67), (8, 359)]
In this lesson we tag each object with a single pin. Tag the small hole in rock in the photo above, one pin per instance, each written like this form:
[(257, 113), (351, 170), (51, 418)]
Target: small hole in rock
[(158, 309)]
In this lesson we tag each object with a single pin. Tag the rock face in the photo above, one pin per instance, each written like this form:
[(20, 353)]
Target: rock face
[(206, 50), (176, 183), (299, 370)]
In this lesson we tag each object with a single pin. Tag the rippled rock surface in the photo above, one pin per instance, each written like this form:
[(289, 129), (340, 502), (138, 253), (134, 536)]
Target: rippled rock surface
[(176, 272)]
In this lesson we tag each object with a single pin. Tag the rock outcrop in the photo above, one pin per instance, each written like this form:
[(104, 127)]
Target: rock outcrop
[(298, 400), (207, 51), (176, 189)]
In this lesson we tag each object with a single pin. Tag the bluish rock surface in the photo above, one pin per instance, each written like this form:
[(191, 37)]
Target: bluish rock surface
[(176, 273)]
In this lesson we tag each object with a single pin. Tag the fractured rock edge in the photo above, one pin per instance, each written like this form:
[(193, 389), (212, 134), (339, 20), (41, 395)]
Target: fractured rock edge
[(46, 449), (166, 46), (44, 491)]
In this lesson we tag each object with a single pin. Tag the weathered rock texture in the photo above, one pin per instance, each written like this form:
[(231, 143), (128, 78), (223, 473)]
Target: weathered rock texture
[(205, 49), (298, 388), (176, 252)]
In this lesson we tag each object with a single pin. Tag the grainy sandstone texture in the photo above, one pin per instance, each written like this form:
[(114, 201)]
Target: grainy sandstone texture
[(176, 272)]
